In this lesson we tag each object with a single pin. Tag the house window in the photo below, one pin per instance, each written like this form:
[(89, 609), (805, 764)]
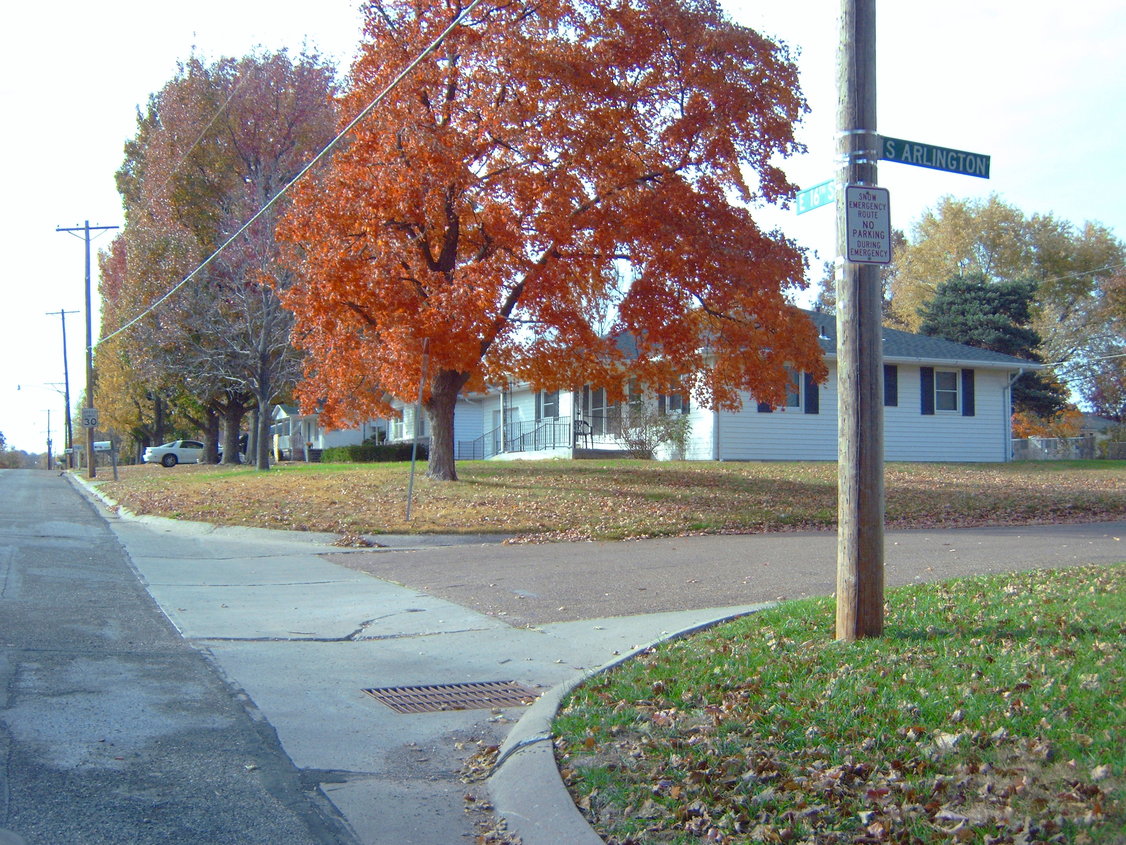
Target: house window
[(793, 387), (635, 403), (402, 428), (549, 405), (891, 385), (946, 390), (673, 403), (604, 417), (597, 410), (597, 401), (635, 396), (801, 392)]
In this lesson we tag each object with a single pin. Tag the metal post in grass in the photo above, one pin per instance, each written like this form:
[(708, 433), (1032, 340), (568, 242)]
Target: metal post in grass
[(417, 423)]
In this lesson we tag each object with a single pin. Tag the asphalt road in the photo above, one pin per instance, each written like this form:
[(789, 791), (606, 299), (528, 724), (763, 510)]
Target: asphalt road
[(113, 729), (548, 583)]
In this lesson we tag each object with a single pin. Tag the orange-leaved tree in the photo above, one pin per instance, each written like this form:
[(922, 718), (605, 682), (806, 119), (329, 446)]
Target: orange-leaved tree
[(1067, 423), (554, 177)]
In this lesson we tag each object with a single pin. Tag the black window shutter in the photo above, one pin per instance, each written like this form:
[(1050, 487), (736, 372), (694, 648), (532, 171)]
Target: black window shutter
[(891, 385), (812, 399), (967, 393), (926, 389), (661, 404), (764, 408), (684, 405), (539, 406)]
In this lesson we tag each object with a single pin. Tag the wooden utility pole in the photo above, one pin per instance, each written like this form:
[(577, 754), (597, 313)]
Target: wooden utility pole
[(86, 229), (68, 432), (50, 465), (860, 482)]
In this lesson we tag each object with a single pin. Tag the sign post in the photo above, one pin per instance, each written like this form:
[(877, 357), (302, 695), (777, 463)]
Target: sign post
[(90, 422), (860, 419), (108, 446)]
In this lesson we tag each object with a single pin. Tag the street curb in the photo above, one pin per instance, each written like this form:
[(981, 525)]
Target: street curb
[(380, 542), (526, 787)]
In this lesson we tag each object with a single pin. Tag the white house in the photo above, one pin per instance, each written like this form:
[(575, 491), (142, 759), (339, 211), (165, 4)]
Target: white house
[(943, 401), (300, 437)]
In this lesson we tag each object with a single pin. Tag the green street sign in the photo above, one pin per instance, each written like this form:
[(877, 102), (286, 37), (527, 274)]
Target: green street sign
[(936, 158), (821, 194)]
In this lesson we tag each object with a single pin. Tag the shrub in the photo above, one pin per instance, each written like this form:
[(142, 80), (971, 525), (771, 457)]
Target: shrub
[(367, 453), (644, 431)]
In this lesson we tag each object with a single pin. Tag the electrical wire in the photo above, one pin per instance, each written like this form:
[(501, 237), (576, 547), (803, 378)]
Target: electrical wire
[(391, 86), (203, 132)]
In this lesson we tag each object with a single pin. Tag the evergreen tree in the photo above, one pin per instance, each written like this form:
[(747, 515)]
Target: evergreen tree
[(995, 316)]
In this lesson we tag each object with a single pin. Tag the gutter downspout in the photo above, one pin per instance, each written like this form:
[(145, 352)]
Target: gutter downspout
[(1009, 416)]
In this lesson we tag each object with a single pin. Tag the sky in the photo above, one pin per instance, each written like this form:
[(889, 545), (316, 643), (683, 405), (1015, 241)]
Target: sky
[(1038, 87)]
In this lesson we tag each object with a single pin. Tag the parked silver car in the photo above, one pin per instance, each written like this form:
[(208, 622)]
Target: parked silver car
[(175, 452)]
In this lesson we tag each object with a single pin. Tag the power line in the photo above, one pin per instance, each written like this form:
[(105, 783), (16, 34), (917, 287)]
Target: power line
[(391, 86), (1091, 272), (1077, 362)]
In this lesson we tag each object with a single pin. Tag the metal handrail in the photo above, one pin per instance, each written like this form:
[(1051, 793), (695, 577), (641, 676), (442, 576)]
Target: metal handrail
[(520, 436)]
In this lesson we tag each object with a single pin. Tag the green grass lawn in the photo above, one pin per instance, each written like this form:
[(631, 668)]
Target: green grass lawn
[(575, 500), (992, 711)]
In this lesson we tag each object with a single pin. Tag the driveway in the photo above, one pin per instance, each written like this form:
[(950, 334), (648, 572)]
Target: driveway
[(563, 582)]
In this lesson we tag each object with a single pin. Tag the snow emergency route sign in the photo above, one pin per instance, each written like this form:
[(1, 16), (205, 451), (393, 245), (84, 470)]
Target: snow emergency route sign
[(868, 225)]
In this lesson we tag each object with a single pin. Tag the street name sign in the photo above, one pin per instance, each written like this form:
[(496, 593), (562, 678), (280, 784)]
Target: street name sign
[(936, 158), (867, 225), (817, 196), (89, 417)]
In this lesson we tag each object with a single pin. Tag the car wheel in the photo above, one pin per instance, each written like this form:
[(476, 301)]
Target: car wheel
[(169, 460)]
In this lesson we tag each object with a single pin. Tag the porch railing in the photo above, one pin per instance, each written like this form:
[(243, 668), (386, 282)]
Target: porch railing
[(523, 436)]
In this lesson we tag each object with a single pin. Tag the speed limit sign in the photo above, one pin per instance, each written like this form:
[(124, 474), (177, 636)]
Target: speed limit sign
[(89, 417)]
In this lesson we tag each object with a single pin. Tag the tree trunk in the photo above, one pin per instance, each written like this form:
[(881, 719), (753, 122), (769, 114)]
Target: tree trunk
[(233, 413), (263, 458), (444, 390), (158, 420), (252, 437), (211, 435)]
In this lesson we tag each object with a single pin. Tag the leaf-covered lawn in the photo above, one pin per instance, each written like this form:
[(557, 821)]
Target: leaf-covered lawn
[(574, 500), (991, 712)]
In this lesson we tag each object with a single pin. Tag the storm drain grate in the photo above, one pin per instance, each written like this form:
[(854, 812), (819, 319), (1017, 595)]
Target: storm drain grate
[(438, 697)]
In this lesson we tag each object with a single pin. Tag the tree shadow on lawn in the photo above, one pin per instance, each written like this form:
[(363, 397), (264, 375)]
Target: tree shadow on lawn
[(661, 484), (997, 633)]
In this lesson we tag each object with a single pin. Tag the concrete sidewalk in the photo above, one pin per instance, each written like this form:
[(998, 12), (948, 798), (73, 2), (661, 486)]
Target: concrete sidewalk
[(303, 628), (302, 637)]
